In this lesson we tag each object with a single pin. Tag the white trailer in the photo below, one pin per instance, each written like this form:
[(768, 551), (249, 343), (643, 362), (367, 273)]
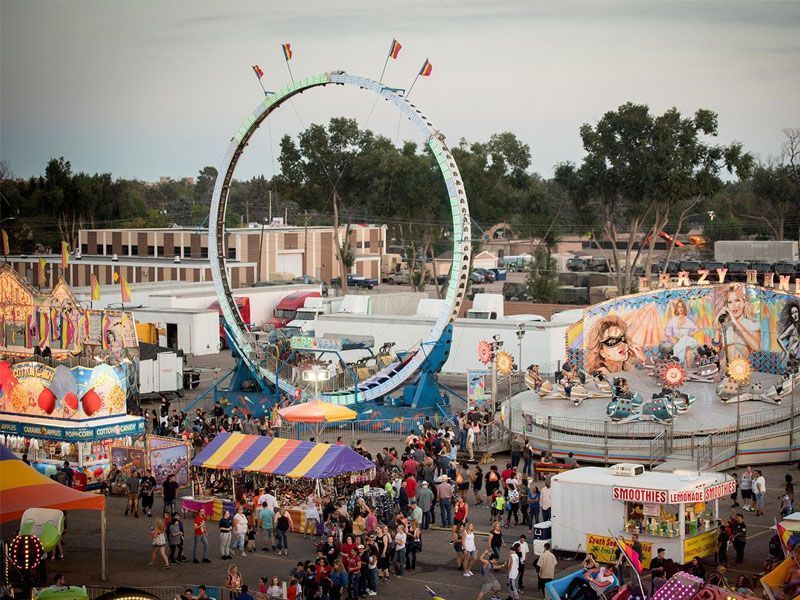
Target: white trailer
[(543, 343), (676, 511), (193, 331), (160, 371)]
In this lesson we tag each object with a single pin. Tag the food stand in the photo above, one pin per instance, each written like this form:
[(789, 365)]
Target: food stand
[(676, 511), (67, 374), (292, 468)]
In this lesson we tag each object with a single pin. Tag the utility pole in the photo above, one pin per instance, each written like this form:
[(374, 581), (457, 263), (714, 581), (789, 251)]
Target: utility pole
[(270, 207), (305, 243)]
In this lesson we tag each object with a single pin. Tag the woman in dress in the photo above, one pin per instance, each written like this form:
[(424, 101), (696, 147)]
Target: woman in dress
[(385, 554), (158, 533), (680, 332), (736, 327)]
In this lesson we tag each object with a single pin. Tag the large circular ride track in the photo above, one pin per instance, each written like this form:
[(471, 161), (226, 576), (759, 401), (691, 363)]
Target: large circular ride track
[(397, 373)]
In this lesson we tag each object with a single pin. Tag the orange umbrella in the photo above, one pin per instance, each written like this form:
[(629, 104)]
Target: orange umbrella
[(316, 411)]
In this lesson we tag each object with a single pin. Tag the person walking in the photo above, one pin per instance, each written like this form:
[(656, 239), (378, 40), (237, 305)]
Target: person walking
[(512, 504), (175, 537), (489, 566), (722, 544), (444, 492), (239, 529), (225, 529), (513, 571), (266, 519), (496, 539), (233, 582), (516, 451), (425, 503), (147, 490), (524, 549), (169, 490), (546, 567), (157, 533), (470, 550), (746, 487), (477, 483), (527, 458), (282, 528), (414, 544), (132, 482), (200, 536), (400, 550), (759, 492), (739, 537)]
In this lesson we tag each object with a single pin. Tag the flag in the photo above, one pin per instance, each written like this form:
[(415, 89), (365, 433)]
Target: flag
[(631, 554), (287, 51), (257, 70), (64, 255), (95, 288), (788, 538), (6, 251), (43, 327), (124, 288), (426, 69), (105, 323), (394, 49), (42, 276)]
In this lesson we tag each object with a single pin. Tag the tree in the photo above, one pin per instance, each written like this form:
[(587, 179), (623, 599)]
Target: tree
[(640, 172), (542, 280)]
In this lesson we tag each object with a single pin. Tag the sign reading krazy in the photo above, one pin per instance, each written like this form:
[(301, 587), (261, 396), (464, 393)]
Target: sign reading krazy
[(783, 283), (721, 489), (631, 494)]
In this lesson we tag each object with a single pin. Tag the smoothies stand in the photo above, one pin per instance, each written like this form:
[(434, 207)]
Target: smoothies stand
[(676, 511)]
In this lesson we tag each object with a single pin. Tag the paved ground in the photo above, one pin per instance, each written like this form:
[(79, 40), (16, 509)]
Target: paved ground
[(129, 547)]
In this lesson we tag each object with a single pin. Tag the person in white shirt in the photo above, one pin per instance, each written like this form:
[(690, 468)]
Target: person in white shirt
[(400, 550), (759, 492), (513, 571), (523, 556), (240, 529), (271, 500), (546, 501), (470, 551)]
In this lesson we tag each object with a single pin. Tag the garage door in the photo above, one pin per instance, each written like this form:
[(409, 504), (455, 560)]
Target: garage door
[(290, 263)]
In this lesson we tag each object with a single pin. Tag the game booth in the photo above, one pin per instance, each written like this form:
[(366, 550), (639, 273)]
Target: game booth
[(676, 511), (234, 466), (67, 376)]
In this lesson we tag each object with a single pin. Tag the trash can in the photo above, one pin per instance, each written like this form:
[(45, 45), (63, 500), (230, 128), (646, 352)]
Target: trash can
[(499, 274)]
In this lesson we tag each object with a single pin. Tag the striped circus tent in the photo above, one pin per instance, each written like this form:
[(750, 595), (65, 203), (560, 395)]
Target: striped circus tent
[(279, 456)]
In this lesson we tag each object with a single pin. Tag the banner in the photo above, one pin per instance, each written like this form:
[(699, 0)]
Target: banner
[(605, 549), (476, 387), (128, 426), (700, 545), (127, 458), (168, 460)]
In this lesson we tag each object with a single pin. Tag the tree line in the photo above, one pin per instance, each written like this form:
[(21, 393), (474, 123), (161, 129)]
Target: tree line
[(642, 174)]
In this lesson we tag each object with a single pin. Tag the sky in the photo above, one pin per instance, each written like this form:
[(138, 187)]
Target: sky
[(156, 88)]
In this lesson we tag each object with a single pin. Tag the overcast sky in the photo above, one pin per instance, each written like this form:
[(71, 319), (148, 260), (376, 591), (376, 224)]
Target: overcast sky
[(144, 89)]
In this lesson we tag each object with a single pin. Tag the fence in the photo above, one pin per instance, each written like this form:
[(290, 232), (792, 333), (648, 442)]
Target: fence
[(173, 591)]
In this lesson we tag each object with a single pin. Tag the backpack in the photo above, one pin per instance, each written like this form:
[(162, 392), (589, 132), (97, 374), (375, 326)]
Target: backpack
[(493, 477)]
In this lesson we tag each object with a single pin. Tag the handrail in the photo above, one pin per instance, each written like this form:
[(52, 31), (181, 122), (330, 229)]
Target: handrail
[(659, 440)]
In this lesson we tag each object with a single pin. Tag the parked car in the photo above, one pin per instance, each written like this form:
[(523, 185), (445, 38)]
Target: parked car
[(785, 268), (670, 268), (761, 267), (713, 265), (404, 277), (355, 281), (577, 264), (477, 277), (737, 271), (690, 266), (488, 276), (515, 291), (599, 264)]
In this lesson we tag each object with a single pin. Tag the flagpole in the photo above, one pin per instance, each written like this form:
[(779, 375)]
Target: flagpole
[(262, 86), (385, 63), (288, 66), (408, 93)]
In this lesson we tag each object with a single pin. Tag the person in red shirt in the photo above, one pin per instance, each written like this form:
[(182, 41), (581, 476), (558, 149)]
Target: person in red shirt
[(353, 564), (507, 473), (410, 467), (200, 536), (347, 545), (411, 486)]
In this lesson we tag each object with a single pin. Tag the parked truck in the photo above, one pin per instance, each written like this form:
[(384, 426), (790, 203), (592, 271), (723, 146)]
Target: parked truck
[(752, 250), (286, 311), (486, 306), (313, 307)]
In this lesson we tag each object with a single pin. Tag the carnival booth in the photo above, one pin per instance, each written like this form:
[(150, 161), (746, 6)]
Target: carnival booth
[(67, 375), (235, 465), (676, 511)]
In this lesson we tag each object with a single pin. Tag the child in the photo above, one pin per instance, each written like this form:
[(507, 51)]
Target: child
[(786, 506), (498, 504), (251, 538)]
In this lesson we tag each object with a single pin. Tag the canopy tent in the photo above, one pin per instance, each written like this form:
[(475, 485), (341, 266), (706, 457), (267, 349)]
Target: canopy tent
[(316, 411), (279, 456), (23, 487)]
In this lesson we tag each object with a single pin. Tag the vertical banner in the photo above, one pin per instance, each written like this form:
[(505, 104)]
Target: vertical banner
[(476, 387)]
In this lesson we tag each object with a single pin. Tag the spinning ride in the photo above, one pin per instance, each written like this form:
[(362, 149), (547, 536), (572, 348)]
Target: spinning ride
[(408, 365)]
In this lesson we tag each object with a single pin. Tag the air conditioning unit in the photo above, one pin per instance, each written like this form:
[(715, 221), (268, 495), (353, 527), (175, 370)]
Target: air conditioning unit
[(626, 470), (115, 258), (177, 258)]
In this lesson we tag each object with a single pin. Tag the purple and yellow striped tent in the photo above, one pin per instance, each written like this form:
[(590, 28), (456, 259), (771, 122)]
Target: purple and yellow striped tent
[(279, 456)]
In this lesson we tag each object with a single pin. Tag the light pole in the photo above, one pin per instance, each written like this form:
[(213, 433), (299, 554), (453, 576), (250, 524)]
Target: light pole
[(520, 335), (316, 375), (496, 343)]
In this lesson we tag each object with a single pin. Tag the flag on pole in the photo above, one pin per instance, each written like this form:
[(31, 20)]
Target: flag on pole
[(64, 255), (95, 288), (6, 251), (257, 70), (42, 276), (632, 555), (394, 49), (788, 538), (426, 69), (124, 288), (287, 51)]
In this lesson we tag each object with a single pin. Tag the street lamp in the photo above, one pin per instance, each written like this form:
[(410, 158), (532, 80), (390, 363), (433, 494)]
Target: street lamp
[(520, 335), (316, 375)]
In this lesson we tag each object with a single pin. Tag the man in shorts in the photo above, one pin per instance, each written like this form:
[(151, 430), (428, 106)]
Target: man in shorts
[(490, 584)]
